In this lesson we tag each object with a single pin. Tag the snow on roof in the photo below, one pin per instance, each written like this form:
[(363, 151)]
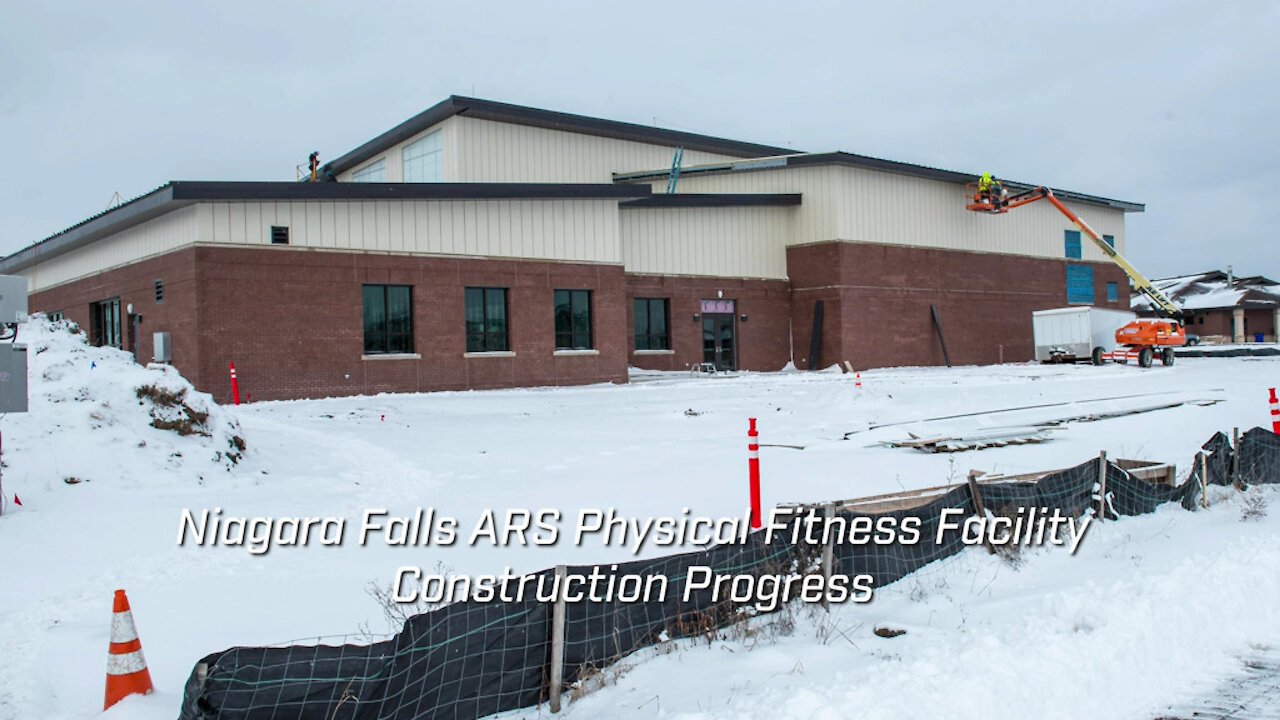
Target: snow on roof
[(1213, 290)]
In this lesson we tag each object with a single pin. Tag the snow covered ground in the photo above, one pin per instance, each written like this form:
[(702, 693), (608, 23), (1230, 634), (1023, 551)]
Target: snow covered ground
[(1149, 613)]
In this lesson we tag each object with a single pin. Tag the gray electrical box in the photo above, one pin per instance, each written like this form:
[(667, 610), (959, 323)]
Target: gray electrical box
[(13, 377), (163, 347), (13, 298)]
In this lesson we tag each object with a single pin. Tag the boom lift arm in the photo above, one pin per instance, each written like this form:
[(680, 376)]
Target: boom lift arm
[(988, 202)]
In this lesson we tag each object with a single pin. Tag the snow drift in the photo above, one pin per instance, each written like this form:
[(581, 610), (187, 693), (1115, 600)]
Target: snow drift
[(96, 415)]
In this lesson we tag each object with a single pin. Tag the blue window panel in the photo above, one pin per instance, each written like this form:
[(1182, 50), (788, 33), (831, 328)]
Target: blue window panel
[(1072, 238), (1113, 292), (1110, 240), (1080, 283)]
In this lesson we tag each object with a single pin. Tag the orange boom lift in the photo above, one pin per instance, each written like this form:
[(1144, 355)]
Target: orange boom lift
[(1139, 340)]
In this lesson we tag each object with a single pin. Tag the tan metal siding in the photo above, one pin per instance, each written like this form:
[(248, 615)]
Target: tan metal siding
[(862, 205), (899, 209), (723, 242), (813, 221), (579, 230), (154, 237), (489, 151)]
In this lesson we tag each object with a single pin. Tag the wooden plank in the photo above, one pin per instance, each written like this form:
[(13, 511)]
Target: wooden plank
[(828, 554), (1102, 486), (557, 640), (977, 504)]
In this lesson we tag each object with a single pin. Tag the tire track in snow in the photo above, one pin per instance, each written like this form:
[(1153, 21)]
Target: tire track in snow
[(1252, 694)]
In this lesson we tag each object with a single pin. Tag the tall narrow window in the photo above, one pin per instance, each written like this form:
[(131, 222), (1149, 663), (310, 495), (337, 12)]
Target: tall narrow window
[(573, 319), (388, 319), (1079, 283), (422, 159), (486, 313), (1113, 292), (650, 324), (104, 322), (1072, 242), (373, 172)]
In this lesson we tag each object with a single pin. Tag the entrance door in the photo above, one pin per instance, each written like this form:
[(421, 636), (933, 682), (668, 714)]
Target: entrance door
[(719, 345), (718, 341)]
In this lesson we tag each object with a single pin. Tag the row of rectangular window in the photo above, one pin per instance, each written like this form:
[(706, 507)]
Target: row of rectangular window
[(1071, 243), (388, 320)]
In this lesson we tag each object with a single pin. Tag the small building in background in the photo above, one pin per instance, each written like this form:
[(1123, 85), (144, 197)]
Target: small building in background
[(1220, 307)]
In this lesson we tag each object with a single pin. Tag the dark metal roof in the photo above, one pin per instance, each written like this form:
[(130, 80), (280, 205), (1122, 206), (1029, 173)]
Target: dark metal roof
[(689, 200), (870, 163), (179, 194), (549, 119)]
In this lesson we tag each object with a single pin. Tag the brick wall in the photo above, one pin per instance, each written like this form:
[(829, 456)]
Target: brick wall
[(877, 298), (761, 338)]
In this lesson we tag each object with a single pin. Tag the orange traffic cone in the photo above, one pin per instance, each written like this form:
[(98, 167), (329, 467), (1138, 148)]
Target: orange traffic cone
[(126, 668)]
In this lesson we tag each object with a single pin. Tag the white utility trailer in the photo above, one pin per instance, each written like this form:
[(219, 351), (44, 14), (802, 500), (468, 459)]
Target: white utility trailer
[(1070, 334)]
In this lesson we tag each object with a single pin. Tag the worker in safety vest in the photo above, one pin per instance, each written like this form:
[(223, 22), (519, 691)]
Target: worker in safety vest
[(984, 187)]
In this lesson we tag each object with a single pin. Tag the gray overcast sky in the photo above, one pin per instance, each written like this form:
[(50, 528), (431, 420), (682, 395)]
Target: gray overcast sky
[(1174, 104)]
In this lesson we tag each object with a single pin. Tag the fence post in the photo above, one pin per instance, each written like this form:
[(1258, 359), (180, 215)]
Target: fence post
[(1236, 482), (1102, 485), (828, 552), (1203, 460), (753, 471), (977, 505), (557, 640)]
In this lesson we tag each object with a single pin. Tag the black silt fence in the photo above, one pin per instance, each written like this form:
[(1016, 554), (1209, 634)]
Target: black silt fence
[(472, 659)]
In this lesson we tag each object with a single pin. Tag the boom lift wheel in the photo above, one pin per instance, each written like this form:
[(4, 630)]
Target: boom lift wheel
[(1166, 356), (1144, 357)]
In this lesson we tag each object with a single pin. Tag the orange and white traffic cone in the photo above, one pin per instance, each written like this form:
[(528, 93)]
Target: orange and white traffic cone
[(126, 668), (857, 380)]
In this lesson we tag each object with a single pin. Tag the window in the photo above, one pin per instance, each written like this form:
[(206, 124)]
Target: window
[(55, 316), (1072, 242), (1110, 240), (422, 159), (1113, 292), (104, 322), (388, 319), (486, 311), (1079, 283), (159, 291), (373, 172), (651, 324), (573, 319), (279, 234)]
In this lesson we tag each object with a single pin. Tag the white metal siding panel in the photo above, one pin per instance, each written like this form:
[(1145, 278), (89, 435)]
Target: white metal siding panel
[(860, 205), (156, 236), (722, 242), (490, 151), (815, 218), (573, 229), (899, 209)]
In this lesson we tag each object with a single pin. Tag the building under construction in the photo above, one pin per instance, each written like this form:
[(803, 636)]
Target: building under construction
[(481, 244)]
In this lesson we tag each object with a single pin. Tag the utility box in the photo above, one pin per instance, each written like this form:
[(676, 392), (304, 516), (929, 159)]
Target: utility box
[(13, 377), (1070, 334), (162, 347), (13, 298)]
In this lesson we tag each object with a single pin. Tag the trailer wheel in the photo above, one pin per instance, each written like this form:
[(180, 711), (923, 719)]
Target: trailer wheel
[(1096, 356), (1166, 356), (1144, 357)]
